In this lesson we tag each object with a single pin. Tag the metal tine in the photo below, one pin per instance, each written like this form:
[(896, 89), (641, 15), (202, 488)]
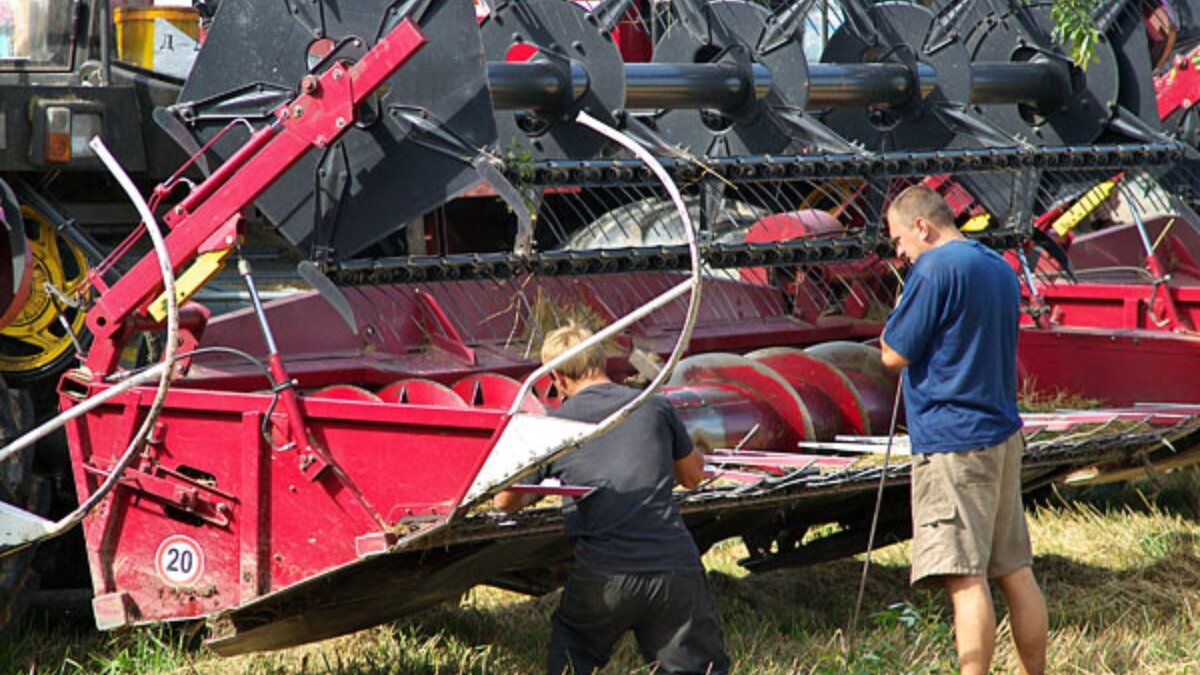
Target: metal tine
[(608, 14), (576, 213), (696, 18), (945, 27), (859, 18), (784, 26), (548, 216)]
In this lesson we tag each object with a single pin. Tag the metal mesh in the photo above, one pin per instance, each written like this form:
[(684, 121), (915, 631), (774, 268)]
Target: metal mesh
[(810, 226)]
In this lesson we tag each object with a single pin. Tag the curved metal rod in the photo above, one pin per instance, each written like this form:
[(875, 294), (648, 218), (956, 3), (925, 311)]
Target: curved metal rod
[(163, 369), (499, 470), (693, 285), (172, 338)]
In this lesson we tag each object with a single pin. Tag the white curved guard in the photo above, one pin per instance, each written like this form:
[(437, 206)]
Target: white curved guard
[(19, 528), (527, 440)]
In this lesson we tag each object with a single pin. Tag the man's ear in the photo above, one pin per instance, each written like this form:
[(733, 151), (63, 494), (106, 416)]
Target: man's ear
[(923, 228)]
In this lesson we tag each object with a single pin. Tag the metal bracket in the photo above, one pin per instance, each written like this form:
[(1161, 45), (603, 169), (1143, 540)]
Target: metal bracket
[(178, 491)]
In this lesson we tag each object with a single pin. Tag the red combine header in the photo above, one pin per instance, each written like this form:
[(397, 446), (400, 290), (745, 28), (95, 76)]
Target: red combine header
[(457, 179)]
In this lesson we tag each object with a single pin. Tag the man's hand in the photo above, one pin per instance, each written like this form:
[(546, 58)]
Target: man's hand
[(509, 501), (689, 471), (892, 359)]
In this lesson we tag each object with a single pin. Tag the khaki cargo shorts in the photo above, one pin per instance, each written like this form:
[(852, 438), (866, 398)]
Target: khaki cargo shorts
[(968, 518)]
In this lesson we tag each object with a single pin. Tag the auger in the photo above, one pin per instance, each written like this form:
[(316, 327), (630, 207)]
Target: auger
[(704, 189)]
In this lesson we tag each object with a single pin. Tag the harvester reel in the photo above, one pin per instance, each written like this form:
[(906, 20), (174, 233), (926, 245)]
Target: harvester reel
[(911, 126), (364, 189), (749, 128), (1081, 114), (556, 35), (36, 345), (655, 221)]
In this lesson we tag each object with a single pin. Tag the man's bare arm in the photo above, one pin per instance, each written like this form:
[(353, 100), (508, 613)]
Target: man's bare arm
[(689, 471), (892, 359), (509, 501)]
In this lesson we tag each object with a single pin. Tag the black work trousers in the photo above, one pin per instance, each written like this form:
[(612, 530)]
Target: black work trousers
[(671, 614)]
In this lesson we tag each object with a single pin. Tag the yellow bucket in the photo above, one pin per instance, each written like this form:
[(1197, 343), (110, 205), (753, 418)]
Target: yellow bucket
[(135, 30)]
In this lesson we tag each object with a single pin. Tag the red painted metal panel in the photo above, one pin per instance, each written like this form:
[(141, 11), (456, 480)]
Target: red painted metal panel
[(1118, 367), (410, 462)]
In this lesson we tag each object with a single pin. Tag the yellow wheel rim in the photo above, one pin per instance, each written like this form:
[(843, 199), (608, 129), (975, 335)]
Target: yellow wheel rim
[(830, 195), (36, 340)]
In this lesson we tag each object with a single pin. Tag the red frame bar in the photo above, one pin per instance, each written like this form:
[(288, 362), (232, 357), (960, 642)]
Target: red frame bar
[(313, 119)]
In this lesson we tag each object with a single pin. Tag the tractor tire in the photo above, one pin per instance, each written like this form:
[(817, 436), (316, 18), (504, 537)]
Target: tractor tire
[(39, 343), (20, 487)]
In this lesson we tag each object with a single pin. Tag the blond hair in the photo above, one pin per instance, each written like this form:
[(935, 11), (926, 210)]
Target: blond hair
[(589, 362), (921, 201)]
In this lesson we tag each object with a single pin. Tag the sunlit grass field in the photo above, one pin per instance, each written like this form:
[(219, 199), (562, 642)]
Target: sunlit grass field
[(1119, 566)]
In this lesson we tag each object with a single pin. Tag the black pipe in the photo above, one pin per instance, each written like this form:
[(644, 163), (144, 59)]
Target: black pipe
[(691, 85), (854, 85), (533, 85), (538, 85), (1043, 83)]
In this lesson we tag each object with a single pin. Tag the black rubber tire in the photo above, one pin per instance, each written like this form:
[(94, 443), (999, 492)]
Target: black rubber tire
[(19, 487)]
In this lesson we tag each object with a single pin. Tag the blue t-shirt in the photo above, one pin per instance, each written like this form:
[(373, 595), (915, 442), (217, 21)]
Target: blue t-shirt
[(957, 326)]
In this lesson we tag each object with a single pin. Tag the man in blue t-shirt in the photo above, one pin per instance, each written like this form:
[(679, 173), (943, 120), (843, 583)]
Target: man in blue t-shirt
[(955, 330), (636, 565)]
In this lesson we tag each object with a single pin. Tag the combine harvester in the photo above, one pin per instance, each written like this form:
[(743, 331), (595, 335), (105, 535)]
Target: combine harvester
[(461, 178)]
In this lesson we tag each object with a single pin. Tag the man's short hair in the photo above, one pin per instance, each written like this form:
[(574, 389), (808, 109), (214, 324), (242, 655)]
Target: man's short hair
[(921, 201), (589, 362)]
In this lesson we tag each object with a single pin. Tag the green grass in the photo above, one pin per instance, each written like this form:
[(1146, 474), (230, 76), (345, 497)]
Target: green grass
[(1119, 566)]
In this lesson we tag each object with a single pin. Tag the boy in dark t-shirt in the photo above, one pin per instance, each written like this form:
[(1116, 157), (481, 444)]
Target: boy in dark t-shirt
[(636, 565)]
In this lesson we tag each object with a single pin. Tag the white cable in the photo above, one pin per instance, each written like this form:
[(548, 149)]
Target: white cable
[(162, 369), (50, 426), (172, 339)]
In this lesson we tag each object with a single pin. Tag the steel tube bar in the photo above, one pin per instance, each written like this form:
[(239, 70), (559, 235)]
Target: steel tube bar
[(537, 85), (1042, 83), (843, 85), (533, 85), (691, 85)]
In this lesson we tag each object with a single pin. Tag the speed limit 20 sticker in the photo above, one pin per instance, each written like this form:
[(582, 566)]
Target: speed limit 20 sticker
[(179, 560)]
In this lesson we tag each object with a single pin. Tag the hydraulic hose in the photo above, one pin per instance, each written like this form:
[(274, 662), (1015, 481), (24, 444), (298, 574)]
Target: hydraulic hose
[(161, 370)]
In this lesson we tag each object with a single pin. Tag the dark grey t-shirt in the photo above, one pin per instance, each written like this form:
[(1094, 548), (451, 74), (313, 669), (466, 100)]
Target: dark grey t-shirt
[(630, 522)]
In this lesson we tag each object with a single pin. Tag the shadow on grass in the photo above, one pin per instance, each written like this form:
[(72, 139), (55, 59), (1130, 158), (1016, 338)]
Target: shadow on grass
[(795, 621), (786, 621), (1176, 493)]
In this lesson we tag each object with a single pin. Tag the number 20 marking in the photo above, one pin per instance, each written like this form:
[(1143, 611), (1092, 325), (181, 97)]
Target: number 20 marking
[(179, 560)]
